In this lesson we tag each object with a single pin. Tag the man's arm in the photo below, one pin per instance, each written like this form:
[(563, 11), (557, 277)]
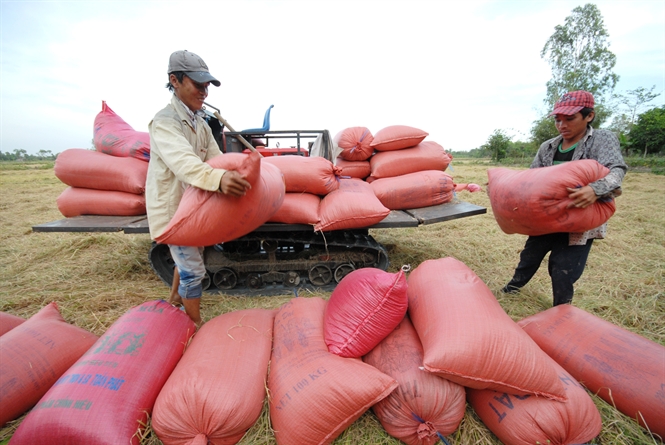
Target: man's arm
[(607, 151)]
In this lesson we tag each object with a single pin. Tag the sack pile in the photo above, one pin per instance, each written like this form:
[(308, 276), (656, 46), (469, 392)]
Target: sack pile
[(110, 180), (317, 194), (372, 175), (405, 171), (413, 349), (100, 184)]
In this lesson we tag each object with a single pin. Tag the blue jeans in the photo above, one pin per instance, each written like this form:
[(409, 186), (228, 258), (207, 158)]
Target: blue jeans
[(189, 261), (565, 265)]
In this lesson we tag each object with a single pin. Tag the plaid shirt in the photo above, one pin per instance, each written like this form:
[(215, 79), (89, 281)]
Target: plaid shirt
[(603, 146)]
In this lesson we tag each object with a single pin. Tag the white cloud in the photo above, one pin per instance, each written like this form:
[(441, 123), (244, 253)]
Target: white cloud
[(457, 69)]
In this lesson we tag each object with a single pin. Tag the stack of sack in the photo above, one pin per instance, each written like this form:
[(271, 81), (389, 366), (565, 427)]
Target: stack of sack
[(418, 332), (109, 180), (317, 195), (372, 175), (412, 349), (405, 171)]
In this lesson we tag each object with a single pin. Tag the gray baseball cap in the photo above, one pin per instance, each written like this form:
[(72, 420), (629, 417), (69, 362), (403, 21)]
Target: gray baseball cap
[(192, 65)]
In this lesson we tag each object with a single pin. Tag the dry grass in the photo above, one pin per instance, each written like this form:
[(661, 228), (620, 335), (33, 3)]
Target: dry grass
[(95, 278)]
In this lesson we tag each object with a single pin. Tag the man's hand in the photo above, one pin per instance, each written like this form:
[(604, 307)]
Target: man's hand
[(582, 197), (234, 184)]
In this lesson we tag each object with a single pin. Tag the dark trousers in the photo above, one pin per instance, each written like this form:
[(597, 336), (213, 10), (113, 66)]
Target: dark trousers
[(565, 266)]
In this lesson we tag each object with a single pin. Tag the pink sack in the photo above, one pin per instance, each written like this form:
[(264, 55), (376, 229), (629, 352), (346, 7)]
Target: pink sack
[(304, 174), (469, 339), (316, 395), (34, 355), (114, 136), (425, 156), (528, 420), (414, 190), (363, 309), (75, 201), (298, 208), (424, 406), (354, 205), (623, 368), (107, 396), (89, 169), (397, 137), (206, 218), (9, 321), (353, 169), (216, 392), (534, 201), (355, 143)]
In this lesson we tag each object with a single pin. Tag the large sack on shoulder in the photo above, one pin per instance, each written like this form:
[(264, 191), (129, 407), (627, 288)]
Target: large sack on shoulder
[(34, 355), (305, 174), (298, 208), (354, 205), (414, 190), (397, 137), (75, 201), (314, 394), (113, 136), (528, 420), (216, 392), (623, 368), (427, 155), (469, 339), (206, 218), (355, 143), (89, 169), (363, 309), (353, 169), (9, 322), (106, 397), (424, 406), (534, 201)]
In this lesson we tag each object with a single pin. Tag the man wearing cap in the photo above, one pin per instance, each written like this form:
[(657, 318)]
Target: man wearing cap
[(573, 114), (180, 143)]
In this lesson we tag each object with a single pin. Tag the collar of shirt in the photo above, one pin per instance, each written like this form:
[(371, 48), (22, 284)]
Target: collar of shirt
[(191, 114)]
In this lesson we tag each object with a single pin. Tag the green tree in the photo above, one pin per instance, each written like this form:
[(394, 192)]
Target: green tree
[(542, 130), (631, 105), (579, 55), (648, 134), (497, 145), (20, 154)]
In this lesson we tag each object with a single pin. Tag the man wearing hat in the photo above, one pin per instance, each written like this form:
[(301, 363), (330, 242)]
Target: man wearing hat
[(573, 114), (180, 143)]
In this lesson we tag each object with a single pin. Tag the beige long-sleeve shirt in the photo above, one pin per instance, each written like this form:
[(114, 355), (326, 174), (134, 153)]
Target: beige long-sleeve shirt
[(179, 148)]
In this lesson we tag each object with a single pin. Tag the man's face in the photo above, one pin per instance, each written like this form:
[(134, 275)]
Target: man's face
[(572, 127), (189, 92)]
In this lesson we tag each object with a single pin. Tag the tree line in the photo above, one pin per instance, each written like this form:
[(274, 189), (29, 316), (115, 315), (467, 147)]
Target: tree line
[(578, 53), (23, 155)]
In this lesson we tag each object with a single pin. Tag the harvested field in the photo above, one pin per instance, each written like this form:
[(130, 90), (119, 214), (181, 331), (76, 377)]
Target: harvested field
[(96, 277)]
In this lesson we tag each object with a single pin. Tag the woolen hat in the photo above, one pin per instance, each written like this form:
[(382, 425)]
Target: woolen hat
[(573, 102), (192, 65)]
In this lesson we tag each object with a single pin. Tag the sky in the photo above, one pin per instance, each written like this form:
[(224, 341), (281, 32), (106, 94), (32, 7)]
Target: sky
[(458, 70)]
